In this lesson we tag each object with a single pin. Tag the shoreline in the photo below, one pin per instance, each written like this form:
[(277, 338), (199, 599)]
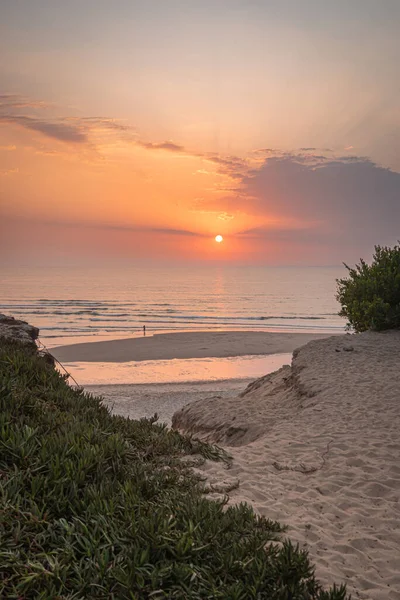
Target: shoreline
[(185, 345)]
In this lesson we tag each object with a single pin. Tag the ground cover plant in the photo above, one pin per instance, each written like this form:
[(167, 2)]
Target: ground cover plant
[(370, 296), (94, 506)]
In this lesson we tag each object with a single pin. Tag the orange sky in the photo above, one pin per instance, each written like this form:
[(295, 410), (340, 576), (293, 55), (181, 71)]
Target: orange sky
[(142, 133)]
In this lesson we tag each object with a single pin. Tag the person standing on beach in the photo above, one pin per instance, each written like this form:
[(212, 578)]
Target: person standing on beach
[(144, 330)]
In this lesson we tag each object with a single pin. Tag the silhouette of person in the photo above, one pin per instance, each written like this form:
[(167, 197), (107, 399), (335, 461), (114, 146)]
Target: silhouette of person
[(144, 329)]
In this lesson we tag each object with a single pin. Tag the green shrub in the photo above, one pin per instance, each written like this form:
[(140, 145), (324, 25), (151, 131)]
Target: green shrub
[(370, 296), (95, 506)]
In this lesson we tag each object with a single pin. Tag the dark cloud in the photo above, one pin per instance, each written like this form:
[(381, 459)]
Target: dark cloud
[(345, 201), (60, 131), (356, 191)]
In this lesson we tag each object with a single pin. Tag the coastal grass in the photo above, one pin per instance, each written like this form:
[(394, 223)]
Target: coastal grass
[(95, 506)]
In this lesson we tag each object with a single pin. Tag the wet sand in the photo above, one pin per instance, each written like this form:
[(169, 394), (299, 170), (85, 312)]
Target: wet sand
[(185, 345)]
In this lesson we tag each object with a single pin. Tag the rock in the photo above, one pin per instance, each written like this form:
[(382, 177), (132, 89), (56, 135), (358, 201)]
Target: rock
[(193, 460), (13, 329)]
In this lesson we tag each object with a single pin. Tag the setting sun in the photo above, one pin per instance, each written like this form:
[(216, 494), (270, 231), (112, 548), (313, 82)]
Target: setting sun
[(219, 238)]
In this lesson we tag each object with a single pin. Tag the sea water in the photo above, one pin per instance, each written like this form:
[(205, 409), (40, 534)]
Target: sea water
[(80, 304)]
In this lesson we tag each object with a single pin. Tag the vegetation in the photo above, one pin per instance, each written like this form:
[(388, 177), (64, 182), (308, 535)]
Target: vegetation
[(370, 296), (94, 506)]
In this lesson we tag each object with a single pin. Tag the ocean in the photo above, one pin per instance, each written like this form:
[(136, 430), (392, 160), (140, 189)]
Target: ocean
[(81, 304)]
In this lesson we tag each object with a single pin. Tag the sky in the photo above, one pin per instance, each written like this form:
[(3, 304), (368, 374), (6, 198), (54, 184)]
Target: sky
[(138, 130)]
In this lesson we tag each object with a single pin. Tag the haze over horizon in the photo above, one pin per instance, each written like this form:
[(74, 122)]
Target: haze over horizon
[(142, 129)]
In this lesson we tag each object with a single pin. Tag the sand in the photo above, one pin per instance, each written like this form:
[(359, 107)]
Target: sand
[(145, 400), (166, 346), (137, 400), (317, 446)]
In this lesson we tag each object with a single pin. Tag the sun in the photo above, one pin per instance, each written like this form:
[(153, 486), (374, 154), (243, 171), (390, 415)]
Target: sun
[(219, 238)]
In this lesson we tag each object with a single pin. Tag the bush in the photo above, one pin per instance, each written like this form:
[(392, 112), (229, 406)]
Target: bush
[(96, 506), (370, 296)]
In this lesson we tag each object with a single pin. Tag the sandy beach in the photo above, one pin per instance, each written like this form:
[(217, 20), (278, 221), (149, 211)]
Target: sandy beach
[(185, 345), (316, 446)]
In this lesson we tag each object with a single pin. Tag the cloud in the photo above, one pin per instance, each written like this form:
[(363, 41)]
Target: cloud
[(341, 189), (167, 231), (7, 172), (99, 123), (222, 216), (63, 132), (145, 229), (87, 130), (68, 129), (286, 235), (309, 196), (102, 227), (266, 151), (169, 146), (338, 201), (17, 101)]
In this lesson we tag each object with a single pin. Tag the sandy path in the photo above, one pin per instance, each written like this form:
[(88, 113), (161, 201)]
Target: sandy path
[(317, 446), (184, 345), (138, 401)]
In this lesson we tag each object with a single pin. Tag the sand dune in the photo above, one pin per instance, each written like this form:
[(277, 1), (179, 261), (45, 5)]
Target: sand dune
[(197, 344), (317, 446)]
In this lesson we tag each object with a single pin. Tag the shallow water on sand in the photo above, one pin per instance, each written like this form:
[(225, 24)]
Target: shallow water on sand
[(176, 370), (163, 387)]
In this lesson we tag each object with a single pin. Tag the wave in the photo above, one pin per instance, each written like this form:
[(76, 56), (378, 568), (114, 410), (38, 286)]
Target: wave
[(223, 318), (107, 315), (78, 303), (78, 317), (162, 304)]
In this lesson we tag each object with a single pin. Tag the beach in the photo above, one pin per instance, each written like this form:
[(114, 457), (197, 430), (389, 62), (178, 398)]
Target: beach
[(316, 446)]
